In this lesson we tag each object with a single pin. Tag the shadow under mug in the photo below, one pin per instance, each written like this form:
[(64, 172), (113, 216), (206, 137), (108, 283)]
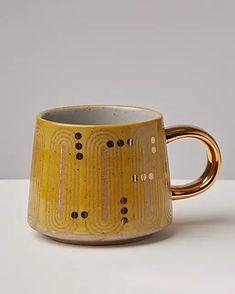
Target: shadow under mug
[(100, 173)]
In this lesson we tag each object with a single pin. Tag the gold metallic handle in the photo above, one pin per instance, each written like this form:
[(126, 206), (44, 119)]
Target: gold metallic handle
[(213, 160)]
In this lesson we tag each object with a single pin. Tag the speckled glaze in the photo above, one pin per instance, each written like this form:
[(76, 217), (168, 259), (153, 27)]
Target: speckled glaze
[(100, 183)]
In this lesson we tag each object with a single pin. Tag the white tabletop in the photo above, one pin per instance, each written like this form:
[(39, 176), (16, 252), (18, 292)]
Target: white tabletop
[(196, 254)]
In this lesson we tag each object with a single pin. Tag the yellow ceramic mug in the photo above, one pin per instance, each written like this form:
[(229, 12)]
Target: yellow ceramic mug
[(100, 173)]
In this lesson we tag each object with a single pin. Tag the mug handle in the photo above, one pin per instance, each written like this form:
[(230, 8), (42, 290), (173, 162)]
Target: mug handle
[(213, 160)]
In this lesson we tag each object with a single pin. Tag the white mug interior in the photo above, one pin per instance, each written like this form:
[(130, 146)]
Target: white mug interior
[(100, 115)]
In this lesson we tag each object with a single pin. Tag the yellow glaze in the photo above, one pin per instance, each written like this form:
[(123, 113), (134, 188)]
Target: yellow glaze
[(106, 193)]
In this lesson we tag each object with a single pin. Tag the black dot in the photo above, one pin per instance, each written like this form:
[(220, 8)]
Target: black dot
[(124, 220), (84, 214), (79, 156), (120, 143), (124, 210), (110, 144), (123, 200), (78, 146), (74, 214), (78, 136)]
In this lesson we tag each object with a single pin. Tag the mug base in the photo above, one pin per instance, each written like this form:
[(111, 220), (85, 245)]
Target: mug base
[(100, 243), (99, 239)]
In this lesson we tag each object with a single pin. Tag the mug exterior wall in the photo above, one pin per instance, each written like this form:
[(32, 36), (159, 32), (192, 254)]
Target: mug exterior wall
[(99, 184)]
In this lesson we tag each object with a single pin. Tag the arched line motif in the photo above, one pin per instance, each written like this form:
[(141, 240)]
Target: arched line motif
[(147, 189), (95, 146), (60, 199), (35, 191)]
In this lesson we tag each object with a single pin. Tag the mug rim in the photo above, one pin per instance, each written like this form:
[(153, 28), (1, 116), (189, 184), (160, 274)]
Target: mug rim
[(157, 115)]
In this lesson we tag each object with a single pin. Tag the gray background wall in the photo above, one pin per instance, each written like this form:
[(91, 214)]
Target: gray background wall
[(174, 56)]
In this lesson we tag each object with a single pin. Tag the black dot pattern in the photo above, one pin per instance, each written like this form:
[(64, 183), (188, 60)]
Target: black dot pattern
[(78, 145), (124, 210), (120, 143), (78, 136), (110, 144), (79, 156), (84, 214), (123, 200), (74, 214), (124, 220)]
